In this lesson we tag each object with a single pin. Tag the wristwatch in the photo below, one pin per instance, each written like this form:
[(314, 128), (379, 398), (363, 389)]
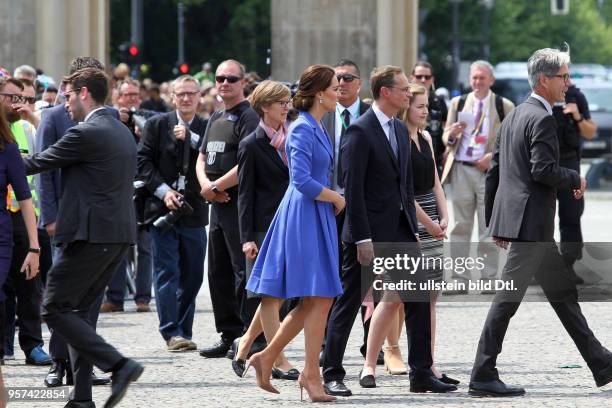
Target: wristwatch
[(214, 188), (581, 119), (34, 250)]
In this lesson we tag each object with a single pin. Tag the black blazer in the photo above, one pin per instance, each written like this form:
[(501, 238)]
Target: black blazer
[(263, 179), (98, 162), (329, 121), (158, 163), (524, 175), (375, 182)]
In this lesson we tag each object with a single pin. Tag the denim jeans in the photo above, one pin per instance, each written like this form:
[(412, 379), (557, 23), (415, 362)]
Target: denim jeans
[(178, 272)]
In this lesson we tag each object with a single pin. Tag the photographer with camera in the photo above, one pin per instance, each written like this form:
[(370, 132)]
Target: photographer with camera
[(134, 118), (175, 212), (573, 122)]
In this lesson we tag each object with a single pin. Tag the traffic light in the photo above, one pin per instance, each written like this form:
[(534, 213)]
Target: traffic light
[(133, 50), (184, 68)]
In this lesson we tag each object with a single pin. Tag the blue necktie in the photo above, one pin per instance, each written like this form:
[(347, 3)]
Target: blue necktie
[(392, 138)]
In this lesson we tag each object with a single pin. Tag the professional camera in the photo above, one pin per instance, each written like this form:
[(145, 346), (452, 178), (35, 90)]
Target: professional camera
[(137, 118), (165, 222)]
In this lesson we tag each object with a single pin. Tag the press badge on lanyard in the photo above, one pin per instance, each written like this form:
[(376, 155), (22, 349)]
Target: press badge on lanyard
[(477, 139)]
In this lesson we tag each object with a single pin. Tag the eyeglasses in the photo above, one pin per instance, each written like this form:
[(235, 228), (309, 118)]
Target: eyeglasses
[(230, 79), (185, 94), (131, 95), (29, 99), (423, 77), (15, 98), (67, 94), (405, 90), (565, 77), (346, 77), (283, 104)]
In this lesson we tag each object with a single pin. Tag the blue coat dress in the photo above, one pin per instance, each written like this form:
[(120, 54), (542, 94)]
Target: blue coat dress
[(299, 255)]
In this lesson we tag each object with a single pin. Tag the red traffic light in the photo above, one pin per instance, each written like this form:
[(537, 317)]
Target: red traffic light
[(133, 50), (184, 68)]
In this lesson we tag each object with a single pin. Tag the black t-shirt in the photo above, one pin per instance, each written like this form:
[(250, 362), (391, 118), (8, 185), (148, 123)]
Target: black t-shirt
[(422, 166), (246, 121)]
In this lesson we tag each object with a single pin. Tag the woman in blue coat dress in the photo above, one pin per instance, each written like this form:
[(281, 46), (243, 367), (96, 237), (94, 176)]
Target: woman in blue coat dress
[(299, 255)]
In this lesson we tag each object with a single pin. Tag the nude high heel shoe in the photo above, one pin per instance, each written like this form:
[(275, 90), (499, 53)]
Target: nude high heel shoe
[(394, 363)]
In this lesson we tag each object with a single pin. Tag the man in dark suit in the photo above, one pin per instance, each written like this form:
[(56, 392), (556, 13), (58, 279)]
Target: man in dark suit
[(95, 227), (53, 125), (521, 185), (348, 109), (178, 250), (380, 208)]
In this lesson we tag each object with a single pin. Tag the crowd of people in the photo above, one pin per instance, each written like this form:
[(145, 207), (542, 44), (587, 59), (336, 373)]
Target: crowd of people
[(296, 184)]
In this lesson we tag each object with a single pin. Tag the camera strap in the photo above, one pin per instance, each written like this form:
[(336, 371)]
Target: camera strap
[(183, 157)]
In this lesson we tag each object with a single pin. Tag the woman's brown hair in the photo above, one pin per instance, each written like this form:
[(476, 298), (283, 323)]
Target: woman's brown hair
[(316, 78), (6, 136)]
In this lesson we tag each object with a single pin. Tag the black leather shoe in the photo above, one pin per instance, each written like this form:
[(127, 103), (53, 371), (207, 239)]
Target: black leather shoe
[(255, 348), (279, 374), (231, 353), (238, 367), (80, 404), (337, 388), (129, 372), (95, 380), (367, 381), (55, 377), (217, 350), (495, 388), (430, 384), (448, 380), (380, 360)]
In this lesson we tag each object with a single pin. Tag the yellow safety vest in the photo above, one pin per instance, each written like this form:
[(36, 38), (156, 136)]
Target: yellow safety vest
[(19, 131)]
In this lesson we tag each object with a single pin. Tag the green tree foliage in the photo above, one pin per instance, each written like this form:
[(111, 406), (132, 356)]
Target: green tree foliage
[(516, 29), (214, 30)]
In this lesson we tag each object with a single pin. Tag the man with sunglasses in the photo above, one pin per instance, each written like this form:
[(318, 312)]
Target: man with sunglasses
[(54, 123), (217, 171), (422, 73), (23, 295)]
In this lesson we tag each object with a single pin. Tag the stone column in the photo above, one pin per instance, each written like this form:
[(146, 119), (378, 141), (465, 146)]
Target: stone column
[(369, 32)]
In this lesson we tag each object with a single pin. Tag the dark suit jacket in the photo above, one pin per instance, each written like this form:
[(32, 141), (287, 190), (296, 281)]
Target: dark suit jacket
[(54, 122), (158, 163), (263, 179), (329, 121), (375, 182), (524, 176), (98, 162)]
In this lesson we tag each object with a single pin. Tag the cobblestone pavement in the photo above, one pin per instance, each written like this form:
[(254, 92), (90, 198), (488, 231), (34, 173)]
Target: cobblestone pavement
[(535, 350)]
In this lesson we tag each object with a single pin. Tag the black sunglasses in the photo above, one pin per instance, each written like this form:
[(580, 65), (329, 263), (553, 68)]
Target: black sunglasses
[(423, 77), (346, 77), (231, 79), (14, 97)]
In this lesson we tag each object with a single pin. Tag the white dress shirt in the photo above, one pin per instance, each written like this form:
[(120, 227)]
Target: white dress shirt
[(478, 150), (544, 102)]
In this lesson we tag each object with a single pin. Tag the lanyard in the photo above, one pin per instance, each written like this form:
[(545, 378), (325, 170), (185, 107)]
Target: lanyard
[(483, 113)]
